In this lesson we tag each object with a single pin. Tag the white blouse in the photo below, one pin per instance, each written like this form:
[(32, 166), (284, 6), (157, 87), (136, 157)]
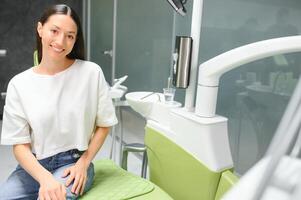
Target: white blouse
[(56, 113)]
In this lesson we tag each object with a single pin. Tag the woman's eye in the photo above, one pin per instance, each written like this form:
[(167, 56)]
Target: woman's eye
[(71, 37), (53, 31)]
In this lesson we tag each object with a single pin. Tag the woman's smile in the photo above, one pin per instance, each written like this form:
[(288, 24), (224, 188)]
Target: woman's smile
[(57, 49)]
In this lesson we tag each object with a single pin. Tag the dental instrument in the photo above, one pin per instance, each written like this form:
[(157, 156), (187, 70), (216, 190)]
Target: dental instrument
[(147, 95), (118, 82), (178, 5)]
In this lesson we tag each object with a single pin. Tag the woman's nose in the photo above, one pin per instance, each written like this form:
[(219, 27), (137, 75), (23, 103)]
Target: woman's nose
[(60, 39)]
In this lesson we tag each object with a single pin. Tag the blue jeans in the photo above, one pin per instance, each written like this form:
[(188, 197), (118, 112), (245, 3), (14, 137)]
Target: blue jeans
[(20, 185)]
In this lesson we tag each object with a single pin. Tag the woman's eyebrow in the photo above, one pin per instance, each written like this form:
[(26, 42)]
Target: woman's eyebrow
[(56, 26), (60, 29)]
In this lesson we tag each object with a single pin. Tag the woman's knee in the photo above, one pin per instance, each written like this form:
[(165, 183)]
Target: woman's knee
[(88, 185), (11, 192), (19, 185)]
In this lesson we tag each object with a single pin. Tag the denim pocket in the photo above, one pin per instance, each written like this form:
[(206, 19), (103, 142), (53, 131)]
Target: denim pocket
[(68, 157), (75, 155)]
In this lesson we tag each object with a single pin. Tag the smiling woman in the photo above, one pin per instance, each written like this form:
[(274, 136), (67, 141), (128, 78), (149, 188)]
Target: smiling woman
[(74, 25), (58, 37), (56, 115)]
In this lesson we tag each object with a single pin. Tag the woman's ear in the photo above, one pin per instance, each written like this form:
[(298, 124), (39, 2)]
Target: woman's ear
[(39, 28)]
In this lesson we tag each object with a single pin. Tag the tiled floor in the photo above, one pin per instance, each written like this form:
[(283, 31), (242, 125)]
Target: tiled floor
[(133, 132)]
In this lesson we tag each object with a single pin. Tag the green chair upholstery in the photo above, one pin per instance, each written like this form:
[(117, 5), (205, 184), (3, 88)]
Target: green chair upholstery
[(113, 183), (35, 58), (228, 179), (180, 174)]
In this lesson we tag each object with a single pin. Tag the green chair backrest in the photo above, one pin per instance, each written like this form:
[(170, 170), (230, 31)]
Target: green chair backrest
[(177, 172), (180, 174), (35, 58)]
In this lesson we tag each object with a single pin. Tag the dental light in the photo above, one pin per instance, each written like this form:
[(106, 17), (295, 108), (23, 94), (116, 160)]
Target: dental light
[(178, 5)]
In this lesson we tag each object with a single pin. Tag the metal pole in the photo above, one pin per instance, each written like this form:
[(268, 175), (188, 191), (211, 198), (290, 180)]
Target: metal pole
[(114, 41), (173, 36), (88, 33), (196, 22)]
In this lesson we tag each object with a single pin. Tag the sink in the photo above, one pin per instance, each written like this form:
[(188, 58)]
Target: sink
[(151, 105), (142, 102)]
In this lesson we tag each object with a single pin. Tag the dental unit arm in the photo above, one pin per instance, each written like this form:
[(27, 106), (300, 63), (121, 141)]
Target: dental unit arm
[(118, 82), (117, 90), (252, 185), (211, 70)]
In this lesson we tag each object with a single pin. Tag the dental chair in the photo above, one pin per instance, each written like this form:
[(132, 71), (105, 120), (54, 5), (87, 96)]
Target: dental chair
[(173, 174)]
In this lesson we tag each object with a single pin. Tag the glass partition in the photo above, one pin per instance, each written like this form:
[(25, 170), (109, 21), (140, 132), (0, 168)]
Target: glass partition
[(143, 49), (144, 30), (255, 95), (101, 35)]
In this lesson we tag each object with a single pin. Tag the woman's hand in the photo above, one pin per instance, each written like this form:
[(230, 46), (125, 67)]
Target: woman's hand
[(78, 175), (51, 189)]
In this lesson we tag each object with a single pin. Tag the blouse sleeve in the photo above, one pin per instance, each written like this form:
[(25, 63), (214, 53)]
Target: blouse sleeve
[(15, 128), (105, 110)]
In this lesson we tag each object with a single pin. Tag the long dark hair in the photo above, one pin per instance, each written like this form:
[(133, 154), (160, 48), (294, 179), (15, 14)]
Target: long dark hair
[(78, 51)]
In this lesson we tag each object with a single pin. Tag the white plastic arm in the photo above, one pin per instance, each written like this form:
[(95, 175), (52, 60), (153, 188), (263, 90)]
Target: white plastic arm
[(211, 70)]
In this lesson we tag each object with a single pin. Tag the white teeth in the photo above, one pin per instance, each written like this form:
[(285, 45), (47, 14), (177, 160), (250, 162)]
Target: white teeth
[(57, 49)]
